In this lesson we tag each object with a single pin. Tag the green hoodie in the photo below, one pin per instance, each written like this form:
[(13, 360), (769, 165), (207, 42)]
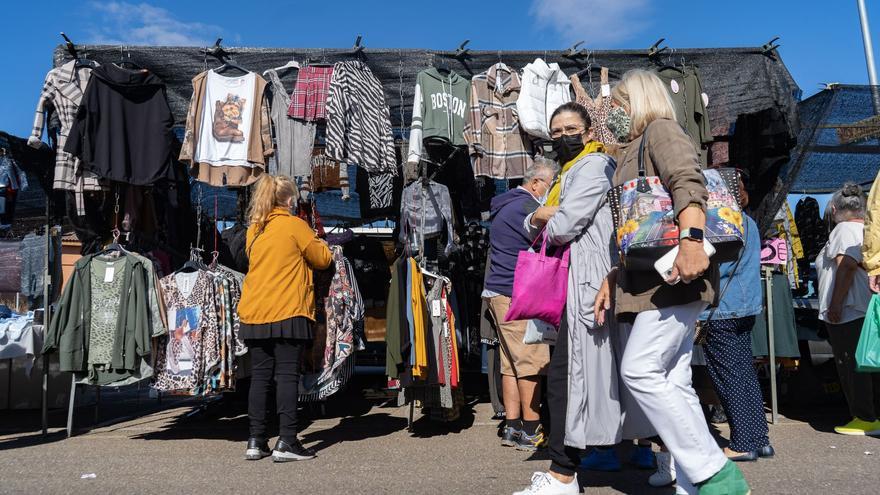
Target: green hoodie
[(441, 103)]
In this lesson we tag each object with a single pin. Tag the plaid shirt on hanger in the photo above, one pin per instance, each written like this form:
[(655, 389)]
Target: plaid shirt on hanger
[(62, 92), (499, 147), (309, 98)]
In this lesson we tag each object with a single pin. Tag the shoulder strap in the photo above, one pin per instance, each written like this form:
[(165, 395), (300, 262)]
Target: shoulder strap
[(643, 173), (257, 236), (732, 273)]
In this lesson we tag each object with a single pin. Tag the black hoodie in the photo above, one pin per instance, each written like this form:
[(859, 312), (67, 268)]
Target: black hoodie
[(122, 130)]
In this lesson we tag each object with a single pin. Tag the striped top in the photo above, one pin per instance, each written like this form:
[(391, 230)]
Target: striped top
[(62, 93), (358, 119)]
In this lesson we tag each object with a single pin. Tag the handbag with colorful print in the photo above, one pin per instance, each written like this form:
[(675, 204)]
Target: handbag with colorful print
[(644, 217)]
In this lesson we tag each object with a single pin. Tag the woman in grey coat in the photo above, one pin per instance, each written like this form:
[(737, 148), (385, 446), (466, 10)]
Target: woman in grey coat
[(583, 378)]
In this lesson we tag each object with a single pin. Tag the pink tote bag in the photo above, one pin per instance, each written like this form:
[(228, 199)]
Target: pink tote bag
[(540, 285)]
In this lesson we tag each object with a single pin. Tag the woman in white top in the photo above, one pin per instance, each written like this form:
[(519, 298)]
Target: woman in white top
[(844, 295)]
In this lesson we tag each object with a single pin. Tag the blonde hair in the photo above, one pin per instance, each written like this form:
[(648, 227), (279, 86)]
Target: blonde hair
[(270, 192), (645, 98)]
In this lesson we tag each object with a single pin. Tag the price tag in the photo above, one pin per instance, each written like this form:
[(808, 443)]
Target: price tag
[(108, 274), (705, 99), (606, 90), (435, 309)]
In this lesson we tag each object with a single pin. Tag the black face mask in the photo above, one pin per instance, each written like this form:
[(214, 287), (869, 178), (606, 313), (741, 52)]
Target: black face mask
[(567, 147)]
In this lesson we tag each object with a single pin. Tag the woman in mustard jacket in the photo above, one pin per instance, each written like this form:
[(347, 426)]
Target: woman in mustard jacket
[(277, 311)]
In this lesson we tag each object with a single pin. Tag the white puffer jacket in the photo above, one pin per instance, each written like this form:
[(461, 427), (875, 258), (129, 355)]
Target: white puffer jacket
[(544, 89)]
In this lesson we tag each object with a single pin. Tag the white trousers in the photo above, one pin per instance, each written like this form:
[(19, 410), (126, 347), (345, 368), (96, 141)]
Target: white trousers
[(656, 369)]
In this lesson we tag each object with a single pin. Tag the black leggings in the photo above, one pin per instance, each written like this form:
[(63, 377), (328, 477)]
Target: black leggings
[(564, 459), (278, 358)]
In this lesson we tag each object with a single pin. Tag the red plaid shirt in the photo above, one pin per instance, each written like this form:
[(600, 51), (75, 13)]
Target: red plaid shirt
[(307, 102)]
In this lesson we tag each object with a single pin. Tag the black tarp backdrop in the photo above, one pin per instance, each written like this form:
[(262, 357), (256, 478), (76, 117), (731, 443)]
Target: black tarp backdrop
[(737, 80)]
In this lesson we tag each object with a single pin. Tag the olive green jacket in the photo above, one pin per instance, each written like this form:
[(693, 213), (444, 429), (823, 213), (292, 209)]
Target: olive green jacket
[(69, 330)]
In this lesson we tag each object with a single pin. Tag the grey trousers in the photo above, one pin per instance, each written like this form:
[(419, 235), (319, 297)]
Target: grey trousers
[(862, 390)]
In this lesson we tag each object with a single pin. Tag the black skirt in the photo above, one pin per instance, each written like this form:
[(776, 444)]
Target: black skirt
[(296, 328)]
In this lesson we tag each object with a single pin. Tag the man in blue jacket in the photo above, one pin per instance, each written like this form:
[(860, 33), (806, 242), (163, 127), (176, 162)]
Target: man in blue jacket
[(522, 365)]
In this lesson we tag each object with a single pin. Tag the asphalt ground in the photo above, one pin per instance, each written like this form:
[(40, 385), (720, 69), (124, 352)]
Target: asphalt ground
[(365, 447)]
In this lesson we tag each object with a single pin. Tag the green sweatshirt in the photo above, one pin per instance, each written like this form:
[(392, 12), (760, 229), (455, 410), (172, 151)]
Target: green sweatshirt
[(441, 103)]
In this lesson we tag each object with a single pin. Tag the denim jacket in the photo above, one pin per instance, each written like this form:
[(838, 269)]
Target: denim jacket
[(744, 296)]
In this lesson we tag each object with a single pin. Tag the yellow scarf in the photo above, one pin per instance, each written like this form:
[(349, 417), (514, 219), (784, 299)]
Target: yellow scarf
[(591, 147)]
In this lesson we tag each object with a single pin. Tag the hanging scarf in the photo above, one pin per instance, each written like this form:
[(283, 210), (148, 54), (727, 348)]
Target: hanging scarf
[(591, 147)]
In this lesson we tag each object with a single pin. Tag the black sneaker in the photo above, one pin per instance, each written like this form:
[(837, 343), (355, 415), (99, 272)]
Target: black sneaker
[(293, 451), (510, 436), (257, 449), (531, 443)]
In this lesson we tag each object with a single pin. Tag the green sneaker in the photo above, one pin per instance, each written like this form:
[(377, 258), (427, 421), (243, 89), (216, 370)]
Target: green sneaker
[(859, 427), (728, 481)]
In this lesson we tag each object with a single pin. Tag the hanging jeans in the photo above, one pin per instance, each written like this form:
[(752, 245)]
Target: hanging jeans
[(656, 368), (862, 390), (278, 359), (729, 359)]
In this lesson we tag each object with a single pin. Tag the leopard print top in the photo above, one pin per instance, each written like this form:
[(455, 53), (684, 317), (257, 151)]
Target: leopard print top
[(190, 351), (598, 109), (105, 308)]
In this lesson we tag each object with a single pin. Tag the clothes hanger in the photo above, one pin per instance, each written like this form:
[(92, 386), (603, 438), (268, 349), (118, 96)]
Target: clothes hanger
[(123, 61), (670, 65), (442, 65), (81, 59), (292, 64), (322, 62), (432, 274), (229, 64), (589, 69), (194, 264), (217, 51), (114, 246)]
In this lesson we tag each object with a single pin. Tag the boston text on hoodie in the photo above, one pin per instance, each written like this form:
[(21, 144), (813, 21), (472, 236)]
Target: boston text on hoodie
[(439, 109)]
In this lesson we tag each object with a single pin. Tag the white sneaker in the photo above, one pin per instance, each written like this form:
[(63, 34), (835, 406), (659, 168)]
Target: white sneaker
[(546, 484), (665, 474)]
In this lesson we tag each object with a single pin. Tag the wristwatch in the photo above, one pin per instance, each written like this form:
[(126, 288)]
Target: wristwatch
[(692, 233)]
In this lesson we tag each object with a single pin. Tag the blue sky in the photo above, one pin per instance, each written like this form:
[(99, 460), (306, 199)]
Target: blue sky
[(821, 41)]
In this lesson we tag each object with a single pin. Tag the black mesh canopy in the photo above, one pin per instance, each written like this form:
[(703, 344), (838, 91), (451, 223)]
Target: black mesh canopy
[(737, 80), (839, 140)]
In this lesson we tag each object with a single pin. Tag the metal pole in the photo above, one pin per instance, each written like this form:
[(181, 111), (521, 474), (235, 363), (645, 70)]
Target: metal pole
[(869, 54), (44, 395), (768, 274), (70, 406)]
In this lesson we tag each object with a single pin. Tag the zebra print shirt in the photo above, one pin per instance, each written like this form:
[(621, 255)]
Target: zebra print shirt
[(358, 119)]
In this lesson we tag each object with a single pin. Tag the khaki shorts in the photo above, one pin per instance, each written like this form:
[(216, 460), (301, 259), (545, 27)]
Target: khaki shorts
[(517, 359)]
